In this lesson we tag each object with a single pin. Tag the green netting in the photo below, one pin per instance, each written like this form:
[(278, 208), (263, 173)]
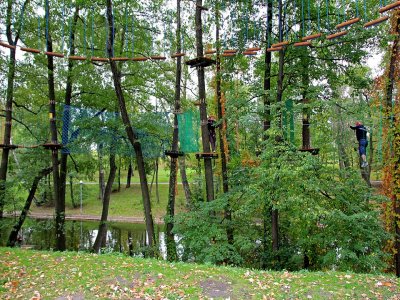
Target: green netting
[(189, 126), (288, 118)]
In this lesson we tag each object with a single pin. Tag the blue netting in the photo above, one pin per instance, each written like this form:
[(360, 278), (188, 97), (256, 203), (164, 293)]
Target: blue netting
[(85, 130)]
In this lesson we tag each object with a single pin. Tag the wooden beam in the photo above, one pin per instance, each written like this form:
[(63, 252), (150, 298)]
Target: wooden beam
[(347, 23), (389, 7)]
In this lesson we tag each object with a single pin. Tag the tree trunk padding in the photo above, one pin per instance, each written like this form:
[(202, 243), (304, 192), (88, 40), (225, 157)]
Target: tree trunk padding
[(13, 238)]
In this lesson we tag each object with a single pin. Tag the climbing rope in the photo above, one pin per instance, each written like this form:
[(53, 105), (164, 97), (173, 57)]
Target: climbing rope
[(92, 33)]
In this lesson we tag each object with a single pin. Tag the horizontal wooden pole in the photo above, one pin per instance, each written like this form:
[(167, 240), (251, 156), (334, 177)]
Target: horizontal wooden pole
[(249, 53), (73, 57), (302, 44), (272, 49), (103, 59), (31, 50), (376, 21), (227, 54), (56, 54), (336, 35), (139, 58), (280, 44), (254, 49), (120, 58), (158, 57), (311, 37), (177, 55), (389, 7), (347, 23), (230, 51), (7, 45), (210, 51)]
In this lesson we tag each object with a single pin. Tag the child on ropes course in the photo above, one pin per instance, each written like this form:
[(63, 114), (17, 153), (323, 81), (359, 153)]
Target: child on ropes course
[(362, 138)]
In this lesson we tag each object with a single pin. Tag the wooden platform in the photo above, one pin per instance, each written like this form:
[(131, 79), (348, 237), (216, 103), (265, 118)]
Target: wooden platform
[(206, 155), (174, 154), (52, 146), (200, 62), (4, 146)]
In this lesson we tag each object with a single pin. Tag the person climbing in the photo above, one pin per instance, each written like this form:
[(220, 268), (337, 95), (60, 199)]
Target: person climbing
[(211, 132), (362, 138)]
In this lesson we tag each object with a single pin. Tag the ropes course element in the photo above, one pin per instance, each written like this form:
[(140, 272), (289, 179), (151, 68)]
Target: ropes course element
[(250, 51), (305, 40), (376, 21), (273, 49), (302, 44), (347, 23), (336, 35), (351, 21), (389, 7)]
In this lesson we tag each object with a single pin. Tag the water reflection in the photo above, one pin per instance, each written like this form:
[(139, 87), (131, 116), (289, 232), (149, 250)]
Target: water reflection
[(126, 238)]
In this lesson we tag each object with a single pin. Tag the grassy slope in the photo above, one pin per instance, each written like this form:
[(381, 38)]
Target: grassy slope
[(54, 274)]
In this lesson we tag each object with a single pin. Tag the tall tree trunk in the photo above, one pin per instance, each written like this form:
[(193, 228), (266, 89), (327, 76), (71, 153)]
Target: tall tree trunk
[(222, 134), (170, 241), (119, 175), (12, 239), (9, 100), (279, 96), (131, 133), (101, 235), (71, 187), (394, 152), (305, 80), (267, 116), (185, 182), (129, 176), (59, 202), (203, 106), (344, 161), (67, 102), (102, 185)]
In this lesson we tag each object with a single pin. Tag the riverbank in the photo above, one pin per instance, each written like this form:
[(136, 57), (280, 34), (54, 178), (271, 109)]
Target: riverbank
[(85, 217)]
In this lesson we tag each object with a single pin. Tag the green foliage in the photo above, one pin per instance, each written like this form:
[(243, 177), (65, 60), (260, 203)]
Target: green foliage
[(324, 213)]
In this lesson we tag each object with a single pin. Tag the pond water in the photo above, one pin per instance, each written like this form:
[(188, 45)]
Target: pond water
[(126, 238)]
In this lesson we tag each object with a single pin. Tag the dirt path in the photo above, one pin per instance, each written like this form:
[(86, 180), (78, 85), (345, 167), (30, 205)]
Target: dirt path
[(83, 217)]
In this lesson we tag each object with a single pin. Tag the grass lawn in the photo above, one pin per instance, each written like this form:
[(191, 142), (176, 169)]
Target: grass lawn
[(126, 203), (68, 275)]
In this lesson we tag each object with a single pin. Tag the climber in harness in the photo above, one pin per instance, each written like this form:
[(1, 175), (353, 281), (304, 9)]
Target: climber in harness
[(362, 138), (211, 132)]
